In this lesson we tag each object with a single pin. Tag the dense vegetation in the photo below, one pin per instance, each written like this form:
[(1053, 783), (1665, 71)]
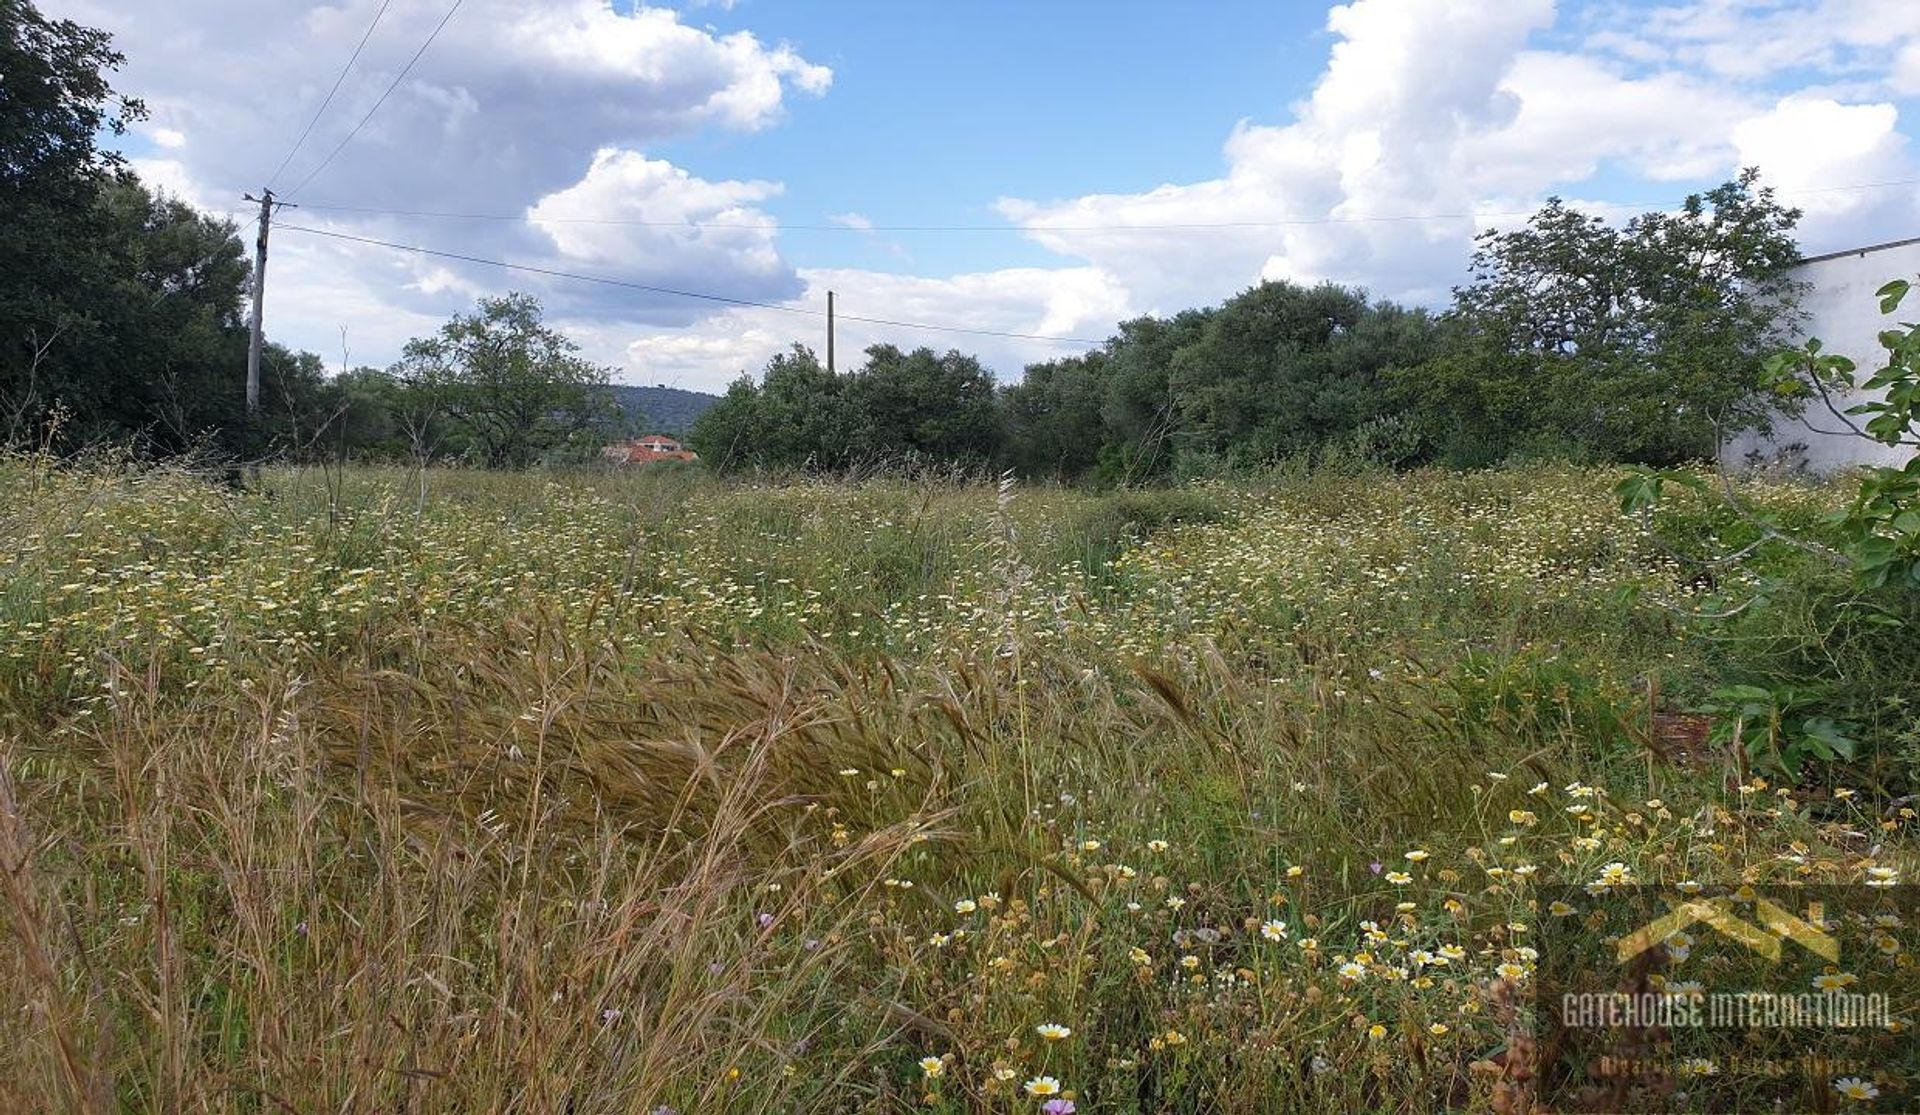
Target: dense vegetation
[(1574, 339), (589, 791)]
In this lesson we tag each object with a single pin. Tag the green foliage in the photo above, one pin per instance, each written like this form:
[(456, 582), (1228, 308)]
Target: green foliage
[(898, 407), (1640, 343), (1771, 725), (1881, 527), (1822, 658), (515, 388)]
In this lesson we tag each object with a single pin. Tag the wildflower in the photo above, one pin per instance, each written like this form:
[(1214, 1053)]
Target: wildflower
[(1399, 878), (1561, 909), (1156, 845), (965, 906), (1511, 971), (1834, 981), (1053, 1031), (1437, 1029), (1189, 962), (1057, 1107), (1139, 956), (932, 1067), (1174, 1037), (765, 920), (1352, 971), (1174, 902), (1854, 1088), (1295, 872), (940, 940), (1089, 845), (1883, 877), (1042, 1086), (1453, 952), (1615, 874), (1274, 930), (1376, 1031), (1004, 1074), (1522, 816), (1418, 855), (850, 771)]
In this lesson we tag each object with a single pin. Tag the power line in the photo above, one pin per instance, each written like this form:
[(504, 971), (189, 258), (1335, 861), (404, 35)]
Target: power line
[(720, 298), (1028, 229), (404, 71), (318, 112)]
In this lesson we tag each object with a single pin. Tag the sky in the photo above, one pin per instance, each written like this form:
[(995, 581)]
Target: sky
[(1045, 170)]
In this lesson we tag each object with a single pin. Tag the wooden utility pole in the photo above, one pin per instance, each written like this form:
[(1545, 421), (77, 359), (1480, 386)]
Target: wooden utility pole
[(829, 332), (259, 296)]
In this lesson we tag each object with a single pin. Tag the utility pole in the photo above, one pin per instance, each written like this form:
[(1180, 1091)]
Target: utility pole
[(829, 332), (259, 296)]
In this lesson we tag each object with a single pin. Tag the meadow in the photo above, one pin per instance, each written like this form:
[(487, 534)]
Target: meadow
[(373, 790)]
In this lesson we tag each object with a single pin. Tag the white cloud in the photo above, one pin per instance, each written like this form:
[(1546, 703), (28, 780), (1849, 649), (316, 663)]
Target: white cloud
[(548, 111), (553, 82), (1804, 145), (1077, 301), (682, 230), (1380, 136), (1438, 107)]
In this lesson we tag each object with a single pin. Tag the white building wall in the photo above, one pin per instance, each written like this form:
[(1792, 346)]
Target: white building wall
[(1843, 312)]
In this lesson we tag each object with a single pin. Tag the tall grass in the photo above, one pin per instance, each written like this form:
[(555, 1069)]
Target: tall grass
[(608, 793)]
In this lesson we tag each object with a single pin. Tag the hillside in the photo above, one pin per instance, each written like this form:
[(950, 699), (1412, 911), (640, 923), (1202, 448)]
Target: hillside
[(661, 409)]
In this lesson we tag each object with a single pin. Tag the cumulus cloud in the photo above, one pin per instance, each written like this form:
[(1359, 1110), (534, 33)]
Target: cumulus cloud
[(517, 108), (1431, 121), (1804, 145), (1442, 109), (651, 222), (1072, 302)]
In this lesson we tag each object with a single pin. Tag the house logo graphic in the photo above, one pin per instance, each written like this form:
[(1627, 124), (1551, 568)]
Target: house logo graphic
[(1776, 926)]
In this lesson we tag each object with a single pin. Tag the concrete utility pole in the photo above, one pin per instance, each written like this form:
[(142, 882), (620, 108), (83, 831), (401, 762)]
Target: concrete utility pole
[(829, 332), (259, 295)]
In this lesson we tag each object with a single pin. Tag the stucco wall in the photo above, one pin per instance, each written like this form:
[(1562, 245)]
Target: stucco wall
[(1843, 312)]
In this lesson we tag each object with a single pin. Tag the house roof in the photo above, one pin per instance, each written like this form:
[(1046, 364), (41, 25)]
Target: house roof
[(1861, 251)]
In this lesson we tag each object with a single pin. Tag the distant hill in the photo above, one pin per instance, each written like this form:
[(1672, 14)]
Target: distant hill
[(660, 409)]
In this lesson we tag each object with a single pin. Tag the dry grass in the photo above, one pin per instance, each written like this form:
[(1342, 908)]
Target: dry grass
[(612, 794)]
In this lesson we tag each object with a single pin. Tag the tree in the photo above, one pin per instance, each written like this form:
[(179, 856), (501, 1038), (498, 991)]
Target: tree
[(516, 389), (55, 103), (1641, 343), (919, 404), (1051, 419), (1283, 370)]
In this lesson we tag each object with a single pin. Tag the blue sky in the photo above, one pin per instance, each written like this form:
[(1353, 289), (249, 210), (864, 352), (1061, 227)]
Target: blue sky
[(1004, 99), (687, 147)]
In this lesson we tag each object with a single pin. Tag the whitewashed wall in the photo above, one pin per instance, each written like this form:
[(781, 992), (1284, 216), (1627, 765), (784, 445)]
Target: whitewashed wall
[(1843, 312)]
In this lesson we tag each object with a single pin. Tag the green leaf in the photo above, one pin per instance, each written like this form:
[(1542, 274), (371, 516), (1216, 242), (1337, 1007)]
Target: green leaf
[(1891, 295), (1875, 551)]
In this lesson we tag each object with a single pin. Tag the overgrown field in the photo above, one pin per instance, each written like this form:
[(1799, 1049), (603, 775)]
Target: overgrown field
[(622, 793)]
